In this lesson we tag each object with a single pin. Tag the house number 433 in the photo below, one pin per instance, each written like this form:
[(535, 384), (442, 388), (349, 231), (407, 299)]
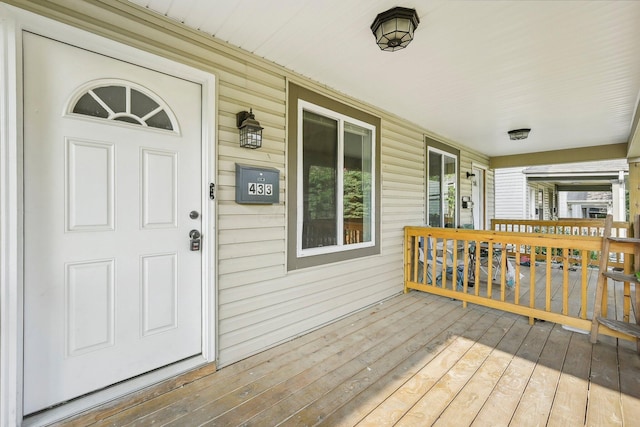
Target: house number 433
[(259, 189)]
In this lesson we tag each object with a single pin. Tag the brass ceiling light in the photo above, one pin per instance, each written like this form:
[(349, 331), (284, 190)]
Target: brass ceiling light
[(518, 134), (394, 28)]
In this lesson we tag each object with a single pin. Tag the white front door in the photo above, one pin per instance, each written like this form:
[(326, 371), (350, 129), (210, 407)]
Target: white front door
[(112, 189)]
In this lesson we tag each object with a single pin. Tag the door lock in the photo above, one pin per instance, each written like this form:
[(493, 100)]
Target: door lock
[(194, 235)]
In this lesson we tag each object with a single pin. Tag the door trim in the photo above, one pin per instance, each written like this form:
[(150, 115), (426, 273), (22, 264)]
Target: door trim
[(483, 184), (13, 21)]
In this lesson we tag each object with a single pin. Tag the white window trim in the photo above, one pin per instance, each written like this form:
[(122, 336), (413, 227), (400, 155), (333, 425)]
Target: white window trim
[(341, 118)]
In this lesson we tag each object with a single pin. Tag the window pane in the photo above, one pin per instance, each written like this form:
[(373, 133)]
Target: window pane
[(442, 189), (88, 106), (141, 104), (357, 184), (127, 119), (319, 171), (434, 189), (451, 191), (160, 120), (113, 96)]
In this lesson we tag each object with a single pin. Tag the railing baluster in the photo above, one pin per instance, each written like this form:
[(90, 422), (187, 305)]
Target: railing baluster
[(490, 269), (465, 270), (454, 262), (565, 281), (516, 289), (503, 271), (547, 299), (476, 274), (584, 284), (532, 285), (434, 251)]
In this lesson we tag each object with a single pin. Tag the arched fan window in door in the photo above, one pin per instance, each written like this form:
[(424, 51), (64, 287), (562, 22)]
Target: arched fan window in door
[(123, 101)]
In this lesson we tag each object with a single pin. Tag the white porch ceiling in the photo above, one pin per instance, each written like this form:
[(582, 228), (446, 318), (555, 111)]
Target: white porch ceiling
[(569, 70)]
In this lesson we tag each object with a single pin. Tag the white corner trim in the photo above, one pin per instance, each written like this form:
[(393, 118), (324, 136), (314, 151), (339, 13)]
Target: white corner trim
[(10, 290)]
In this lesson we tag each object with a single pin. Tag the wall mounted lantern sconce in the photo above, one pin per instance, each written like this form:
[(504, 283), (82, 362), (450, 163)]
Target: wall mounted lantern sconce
[(250, 129), (518, 134), (394, 28), (470, 175)]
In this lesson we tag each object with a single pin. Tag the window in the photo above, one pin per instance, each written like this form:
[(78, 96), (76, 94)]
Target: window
[(533, 204), (123, 102), (442, 185), (335, 150), (335, 196), (540, 209)]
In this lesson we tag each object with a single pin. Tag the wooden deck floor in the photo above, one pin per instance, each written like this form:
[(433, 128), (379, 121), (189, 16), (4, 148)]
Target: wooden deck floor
[(413, 360)]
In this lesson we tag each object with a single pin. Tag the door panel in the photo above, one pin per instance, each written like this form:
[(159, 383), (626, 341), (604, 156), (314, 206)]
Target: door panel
[(89, 172), (111, 288), (89, 291), (159, 203)]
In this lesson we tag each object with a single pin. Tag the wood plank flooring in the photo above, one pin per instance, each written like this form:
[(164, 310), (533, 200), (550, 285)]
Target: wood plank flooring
[(413, 360)]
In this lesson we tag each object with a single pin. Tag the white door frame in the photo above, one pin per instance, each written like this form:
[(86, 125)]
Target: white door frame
[(13, 21)]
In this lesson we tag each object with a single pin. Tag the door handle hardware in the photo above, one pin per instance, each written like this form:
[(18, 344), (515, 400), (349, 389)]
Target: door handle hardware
[(194, 244)]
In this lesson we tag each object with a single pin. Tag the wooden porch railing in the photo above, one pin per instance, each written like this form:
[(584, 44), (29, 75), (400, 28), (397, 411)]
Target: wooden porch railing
[(321, 232), (570, 226), (488, 268)]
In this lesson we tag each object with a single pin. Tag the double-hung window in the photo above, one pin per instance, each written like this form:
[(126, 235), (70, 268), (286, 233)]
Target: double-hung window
[(336, 203)]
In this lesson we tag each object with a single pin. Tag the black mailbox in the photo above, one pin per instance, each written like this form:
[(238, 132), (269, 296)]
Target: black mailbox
[(257, 185)]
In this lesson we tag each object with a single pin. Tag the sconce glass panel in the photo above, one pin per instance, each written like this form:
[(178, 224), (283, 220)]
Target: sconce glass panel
[(250, 137)]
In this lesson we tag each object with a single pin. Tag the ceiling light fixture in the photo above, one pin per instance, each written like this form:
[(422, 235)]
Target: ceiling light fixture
[(394, 28), (518, 134)]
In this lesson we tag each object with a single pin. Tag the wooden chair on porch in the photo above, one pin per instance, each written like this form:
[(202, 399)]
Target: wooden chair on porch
[(627, 328)]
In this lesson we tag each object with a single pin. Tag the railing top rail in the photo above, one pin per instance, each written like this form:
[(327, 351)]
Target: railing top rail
[(516, 238), (577, 222)]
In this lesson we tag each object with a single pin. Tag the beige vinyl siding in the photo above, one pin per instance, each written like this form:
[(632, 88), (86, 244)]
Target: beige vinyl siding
[(403, 175), (259, 303), (490, 196), (511, 194), (464, 216)]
